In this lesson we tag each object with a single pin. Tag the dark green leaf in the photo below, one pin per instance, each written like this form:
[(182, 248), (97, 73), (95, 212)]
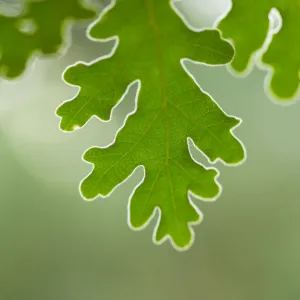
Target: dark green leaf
[(39, 28)]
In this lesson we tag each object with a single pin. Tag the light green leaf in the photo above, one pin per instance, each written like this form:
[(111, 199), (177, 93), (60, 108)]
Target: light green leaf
[(38, 28), (154, 46), (274, 42)]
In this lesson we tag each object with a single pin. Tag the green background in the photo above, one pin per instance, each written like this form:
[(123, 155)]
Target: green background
[(54, 245)]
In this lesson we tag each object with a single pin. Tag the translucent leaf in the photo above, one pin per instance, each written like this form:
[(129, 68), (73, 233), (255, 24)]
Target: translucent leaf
[(152, 50)]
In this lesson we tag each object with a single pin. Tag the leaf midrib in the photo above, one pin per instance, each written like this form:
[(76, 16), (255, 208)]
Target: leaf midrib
[(162, 73)]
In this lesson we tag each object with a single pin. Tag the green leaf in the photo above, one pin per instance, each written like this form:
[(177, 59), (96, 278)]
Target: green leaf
[(39, 28), (276, 46), (153, 48)]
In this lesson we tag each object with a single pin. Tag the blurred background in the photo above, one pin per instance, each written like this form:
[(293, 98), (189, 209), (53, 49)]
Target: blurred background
[(54, 245)]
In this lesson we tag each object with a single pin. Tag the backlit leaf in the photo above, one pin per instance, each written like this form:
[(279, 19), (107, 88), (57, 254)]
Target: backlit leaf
[(154, 48)]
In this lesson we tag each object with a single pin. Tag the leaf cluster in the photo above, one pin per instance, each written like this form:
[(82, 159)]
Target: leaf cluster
[(154, 46)]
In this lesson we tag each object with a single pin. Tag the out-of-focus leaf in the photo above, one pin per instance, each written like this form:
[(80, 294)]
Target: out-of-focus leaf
[(247, 25), (39, 28)]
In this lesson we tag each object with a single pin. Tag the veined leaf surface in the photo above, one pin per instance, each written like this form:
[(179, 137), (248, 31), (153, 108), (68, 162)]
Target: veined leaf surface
[(153, 48)]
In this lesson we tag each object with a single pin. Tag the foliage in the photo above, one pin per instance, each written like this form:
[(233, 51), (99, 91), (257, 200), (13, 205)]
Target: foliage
[(153, 47), (38, 28), (171, 108), (247, 25)]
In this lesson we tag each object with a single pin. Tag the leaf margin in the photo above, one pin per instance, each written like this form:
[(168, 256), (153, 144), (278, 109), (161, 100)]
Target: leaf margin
[(156, 210)]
